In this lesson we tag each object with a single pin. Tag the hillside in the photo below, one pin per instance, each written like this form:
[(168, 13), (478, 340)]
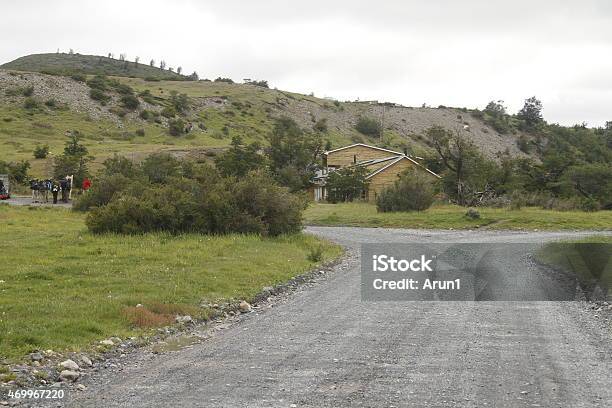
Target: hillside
[(62, 64), (41, 109)]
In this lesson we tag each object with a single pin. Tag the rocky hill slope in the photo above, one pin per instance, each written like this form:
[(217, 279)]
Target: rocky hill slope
[(37, 108)]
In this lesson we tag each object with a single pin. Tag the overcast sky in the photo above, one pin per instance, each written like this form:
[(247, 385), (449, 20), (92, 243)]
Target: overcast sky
[(454, 53)]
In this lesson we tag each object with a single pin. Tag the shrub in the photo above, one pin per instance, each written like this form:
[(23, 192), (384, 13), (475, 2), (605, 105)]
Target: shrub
[(51, 103), (130, 102), (27, 91), (315, 253), (205, 204), (168, 112), (176, 127), (41, 152), (30, 104), (99, 95), (226, 80), (590, 204), (472, 214), (98, 82), (159, 167), (412, 192), (102, 192), (523, 144), (78, 77), (320, 125), (368, 126), (140, 132)]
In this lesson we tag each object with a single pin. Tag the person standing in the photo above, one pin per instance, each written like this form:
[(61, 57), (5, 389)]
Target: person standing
[(64, 188), (55, 191), (86, 184)]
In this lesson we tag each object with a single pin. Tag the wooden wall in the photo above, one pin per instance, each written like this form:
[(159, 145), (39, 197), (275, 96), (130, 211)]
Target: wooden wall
[(345, 157), (386, 178)]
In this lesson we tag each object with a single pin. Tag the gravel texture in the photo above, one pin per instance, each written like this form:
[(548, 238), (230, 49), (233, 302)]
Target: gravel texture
[(323, 347)]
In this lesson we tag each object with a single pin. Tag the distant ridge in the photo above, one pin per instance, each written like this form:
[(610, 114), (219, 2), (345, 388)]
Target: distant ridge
[(66, 64)]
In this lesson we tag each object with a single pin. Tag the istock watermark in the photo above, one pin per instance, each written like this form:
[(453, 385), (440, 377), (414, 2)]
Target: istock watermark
[(485, 271)]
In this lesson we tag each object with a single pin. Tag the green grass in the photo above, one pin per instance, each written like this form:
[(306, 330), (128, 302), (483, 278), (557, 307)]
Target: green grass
[(21, 131), (449, 216), (63, 288), (589, 259)]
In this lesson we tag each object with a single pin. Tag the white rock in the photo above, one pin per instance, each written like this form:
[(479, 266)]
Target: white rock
[(115, 340), (86, 361), (139, 305), (81, 387), (68, 375), (184, 319), (245, 307), (36, 356), (107, 342), (69, 365)]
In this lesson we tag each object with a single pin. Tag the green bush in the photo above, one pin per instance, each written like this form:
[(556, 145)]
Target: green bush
[(210, 204), (368, 126), (27, 91), (99, 95), (130, 102), (102, 192), (78, 77), (30, 104), (176, 127), (412, 192), (41, 151)]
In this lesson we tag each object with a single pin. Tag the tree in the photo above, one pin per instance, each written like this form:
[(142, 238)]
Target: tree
[(179, 70), (176, 127), (531, 113), (73, 161), (136, 59), (152, 63), (496, 108), (293, 153), (346, 184), (239, 159), (180, 102), (17, 171), (194, 76), (162, 65), (467, 175), (593, 181), (122, 57)]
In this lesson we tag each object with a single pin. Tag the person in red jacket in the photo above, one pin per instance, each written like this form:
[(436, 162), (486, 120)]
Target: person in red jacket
[(86, 184)]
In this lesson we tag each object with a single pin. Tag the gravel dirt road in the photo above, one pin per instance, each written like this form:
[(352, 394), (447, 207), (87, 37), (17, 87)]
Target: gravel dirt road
[(324, 347)]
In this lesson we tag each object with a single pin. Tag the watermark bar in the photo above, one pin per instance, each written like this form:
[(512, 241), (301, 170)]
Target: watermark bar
[(486, 272)]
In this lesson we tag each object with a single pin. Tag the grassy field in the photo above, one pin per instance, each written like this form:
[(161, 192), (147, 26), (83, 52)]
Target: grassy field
[(449, 216), (63, 288), (589, 259)]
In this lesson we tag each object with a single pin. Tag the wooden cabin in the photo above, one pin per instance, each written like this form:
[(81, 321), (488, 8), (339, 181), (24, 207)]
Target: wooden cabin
[(384, 167)]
